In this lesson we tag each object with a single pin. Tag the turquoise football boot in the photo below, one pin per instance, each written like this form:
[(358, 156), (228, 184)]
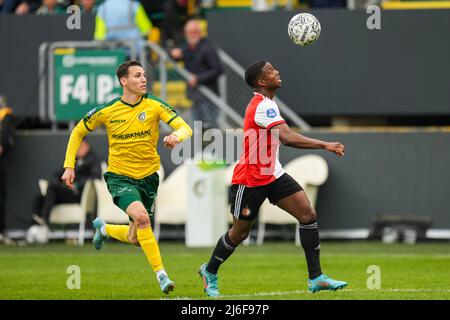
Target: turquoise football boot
[(166, 284), (209, 282), (322, 282), (98, 239)]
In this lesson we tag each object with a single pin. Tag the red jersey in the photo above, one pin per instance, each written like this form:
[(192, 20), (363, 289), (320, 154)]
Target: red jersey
[(259, 164)]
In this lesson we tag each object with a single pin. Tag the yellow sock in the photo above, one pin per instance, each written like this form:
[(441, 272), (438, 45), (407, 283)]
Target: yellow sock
[(150, 246), (118, 231)]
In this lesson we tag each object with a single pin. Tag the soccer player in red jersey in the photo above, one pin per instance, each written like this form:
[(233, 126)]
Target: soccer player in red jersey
[(259, 175)]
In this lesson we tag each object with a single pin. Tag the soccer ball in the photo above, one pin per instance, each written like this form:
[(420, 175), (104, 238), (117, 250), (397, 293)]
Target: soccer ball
[(304, 29), (37, 235)]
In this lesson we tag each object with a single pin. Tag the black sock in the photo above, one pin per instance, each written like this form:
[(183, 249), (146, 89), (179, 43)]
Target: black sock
[(309, 238), (223, 250)]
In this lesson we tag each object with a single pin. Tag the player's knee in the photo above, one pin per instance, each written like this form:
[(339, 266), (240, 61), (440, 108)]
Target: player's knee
[(313, 214), (310, 216), (238, 235), (141, 219), (244, 235)]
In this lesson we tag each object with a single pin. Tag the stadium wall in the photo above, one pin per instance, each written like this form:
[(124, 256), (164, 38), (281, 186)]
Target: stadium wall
[(401, 69), (351, 70), (20, 38), (381, 173)]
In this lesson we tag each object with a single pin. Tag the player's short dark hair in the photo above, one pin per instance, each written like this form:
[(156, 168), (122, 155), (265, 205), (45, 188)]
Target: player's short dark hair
[(122, 70), (253, 72)]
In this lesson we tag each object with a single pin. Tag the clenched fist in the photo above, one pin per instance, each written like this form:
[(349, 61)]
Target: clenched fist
[(335, 147)]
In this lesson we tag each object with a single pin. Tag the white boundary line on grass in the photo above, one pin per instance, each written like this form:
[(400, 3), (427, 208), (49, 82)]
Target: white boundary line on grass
[(283, 293)]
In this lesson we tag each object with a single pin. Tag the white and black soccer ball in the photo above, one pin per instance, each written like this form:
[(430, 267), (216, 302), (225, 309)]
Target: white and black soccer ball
[(304, 29), (37, 235)]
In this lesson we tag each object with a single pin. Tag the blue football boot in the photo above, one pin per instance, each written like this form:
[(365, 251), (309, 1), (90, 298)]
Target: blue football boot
[(209, 282), (98, 239), (322, 282), (166, 284)]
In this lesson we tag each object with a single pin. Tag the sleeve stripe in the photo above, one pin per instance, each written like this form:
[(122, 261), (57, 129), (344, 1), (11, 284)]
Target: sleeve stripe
[(173, 118), (86, 126), (275, 123)]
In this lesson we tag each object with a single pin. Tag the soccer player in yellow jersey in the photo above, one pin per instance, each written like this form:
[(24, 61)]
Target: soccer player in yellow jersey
[(132, 124)]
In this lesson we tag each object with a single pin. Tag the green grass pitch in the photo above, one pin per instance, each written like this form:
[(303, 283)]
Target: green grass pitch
[(272, 271)]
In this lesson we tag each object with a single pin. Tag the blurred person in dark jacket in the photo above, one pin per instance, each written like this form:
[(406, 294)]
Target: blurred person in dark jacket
[(20, 7), (202, 61), (87, 167), (6, 144)]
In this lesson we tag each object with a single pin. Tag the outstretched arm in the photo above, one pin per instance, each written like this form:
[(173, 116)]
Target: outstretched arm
[(77, 135), (90, 122), (290, 138)]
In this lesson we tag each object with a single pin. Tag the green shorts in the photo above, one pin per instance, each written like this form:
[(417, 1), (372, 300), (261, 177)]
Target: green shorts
[(125, 190)]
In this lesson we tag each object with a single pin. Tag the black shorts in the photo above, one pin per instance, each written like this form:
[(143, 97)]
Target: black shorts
[(245, 201)]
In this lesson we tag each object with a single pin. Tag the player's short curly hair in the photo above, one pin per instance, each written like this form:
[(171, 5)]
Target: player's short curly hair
[(253, 72), (122, 70)]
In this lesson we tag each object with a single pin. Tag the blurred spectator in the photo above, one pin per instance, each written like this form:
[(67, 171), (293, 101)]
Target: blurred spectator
[(202, 61), (169, 22), (6, 144), (51, 7), (88, 6), (122, 20), (167, 15), (87, 167), (20, 7)]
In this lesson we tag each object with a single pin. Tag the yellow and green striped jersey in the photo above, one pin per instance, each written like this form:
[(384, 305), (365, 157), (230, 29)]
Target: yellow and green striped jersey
[(133, 132)]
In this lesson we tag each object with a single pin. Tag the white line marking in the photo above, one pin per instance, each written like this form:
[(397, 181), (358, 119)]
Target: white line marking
[(283, 293)]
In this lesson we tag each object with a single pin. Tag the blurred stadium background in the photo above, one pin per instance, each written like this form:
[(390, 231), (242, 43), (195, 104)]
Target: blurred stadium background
[(384, 93)]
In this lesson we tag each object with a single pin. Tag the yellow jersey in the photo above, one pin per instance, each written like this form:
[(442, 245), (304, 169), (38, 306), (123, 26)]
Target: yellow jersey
[(133, 132)]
